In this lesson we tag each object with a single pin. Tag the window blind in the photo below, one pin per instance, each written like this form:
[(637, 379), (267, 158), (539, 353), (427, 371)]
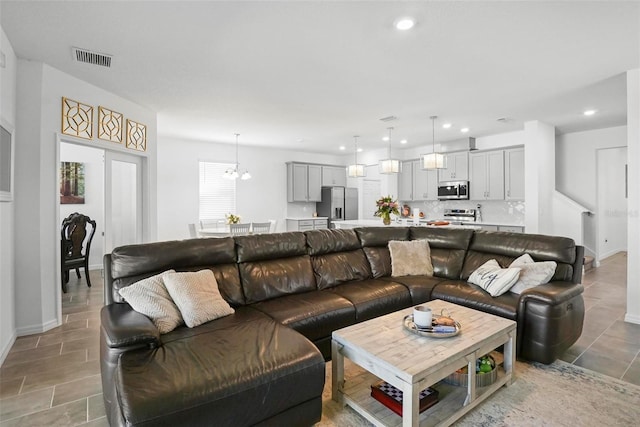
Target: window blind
[(217, 194)]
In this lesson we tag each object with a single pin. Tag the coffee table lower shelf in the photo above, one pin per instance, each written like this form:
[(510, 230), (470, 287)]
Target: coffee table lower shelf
[(357, 394)]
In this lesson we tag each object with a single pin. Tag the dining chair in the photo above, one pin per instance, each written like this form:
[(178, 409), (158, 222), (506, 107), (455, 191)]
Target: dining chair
[(273, 225), (260, 227), (74, 251), (239, 229), (192, 231)]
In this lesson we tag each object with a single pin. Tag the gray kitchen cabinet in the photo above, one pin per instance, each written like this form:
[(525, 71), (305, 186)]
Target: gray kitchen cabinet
[(514, 174), (511, 228), (457, 167), (334, 176), (306, 224), (486, 175), (425, 183), (304, 182), (405, 182)]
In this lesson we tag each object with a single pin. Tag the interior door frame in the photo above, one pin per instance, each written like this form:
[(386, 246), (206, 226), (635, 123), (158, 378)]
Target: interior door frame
[(145, 212)]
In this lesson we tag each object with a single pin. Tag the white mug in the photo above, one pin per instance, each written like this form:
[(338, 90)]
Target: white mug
[(422, 316)]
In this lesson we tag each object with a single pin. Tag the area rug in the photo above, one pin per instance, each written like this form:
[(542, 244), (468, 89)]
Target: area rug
[(559, 394)]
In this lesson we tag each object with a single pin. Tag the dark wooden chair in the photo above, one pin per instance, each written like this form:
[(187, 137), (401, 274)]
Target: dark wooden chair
[(74, 250)]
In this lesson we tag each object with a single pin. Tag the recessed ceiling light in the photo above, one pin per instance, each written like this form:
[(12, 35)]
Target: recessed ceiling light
[(403, 141), (464, 130), (404, 24), (446, 125), (342, 147), (359, 150), (385, 138), (589, 112)]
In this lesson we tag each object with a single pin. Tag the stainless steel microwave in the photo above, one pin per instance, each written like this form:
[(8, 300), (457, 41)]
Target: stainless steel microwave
[(457, 190)]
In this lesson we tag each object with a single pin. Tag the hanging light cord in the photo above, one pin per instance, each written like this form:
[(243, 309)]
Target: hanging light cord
[(433, 135), (356, 153), (390, 129), (237, 164)]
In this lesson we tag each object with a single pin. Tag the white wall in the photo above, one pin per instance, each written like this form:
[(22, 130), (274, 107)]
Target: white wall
[(576, 161), (612, 203), (40, 90), (262, 197), (93, 206), (633, 202), (7, 220), (539, 176)]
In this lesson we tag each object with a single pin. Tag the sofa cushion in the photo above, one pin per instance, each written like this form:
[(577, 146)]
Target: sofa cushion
[(266, 279), (469, 295), (314, 314), (150, 297), (448, 248), (532, 273), (331, 240), (505, 247), (335, 268), (419, 287), (375, 244), (494, 279), (259, 247), (228, 372), (132, 263), (197, 296), (374, 297), (410, 258)]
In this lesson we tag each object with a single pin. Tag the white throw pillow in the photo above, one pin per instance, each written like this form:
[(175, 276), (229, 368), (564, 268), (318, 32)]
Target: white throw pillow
[(197, 296), (410, 258), (532, 273), (150, 297), (493, 279)]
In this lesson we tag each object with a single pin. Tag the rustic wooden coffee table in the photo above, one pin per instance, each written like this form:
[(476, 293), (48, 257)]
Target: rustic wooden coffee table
[(411, 363)]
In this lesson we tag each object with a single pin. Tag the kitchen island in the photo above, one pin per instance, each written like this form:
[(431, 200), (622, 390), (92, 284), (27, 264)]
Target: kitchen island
[(401, 223)]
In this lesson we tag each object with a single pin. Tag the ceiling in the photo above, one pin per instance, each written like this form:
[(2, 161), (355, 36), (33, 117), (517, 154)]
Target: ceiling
[(308, 75)]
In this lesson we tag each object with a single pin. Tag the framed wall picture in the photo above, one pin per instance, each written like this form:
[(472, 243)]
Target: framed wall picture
[(7, 154), (71, 183)]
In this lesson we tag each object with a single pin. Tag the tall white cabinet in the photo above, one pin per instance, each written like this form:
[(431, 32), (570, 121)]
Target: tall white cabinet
[(486, 171), (416, 184), (457, 167), (304, 182), (514, 174)]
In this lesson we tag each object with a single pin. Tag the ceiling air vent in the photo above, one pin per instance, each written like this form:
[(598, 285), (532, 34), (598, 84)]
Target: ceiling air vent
[(388, 118), (89, 57)]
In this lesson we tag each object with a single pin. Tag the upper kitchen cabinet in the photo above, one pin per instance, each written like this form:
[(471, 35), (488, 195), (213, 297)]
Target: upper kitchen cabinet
[(514, 174), (425, 183), (457, 167), (334, 176), (405, 181), (486, 172), (415, 183), (304, 182)]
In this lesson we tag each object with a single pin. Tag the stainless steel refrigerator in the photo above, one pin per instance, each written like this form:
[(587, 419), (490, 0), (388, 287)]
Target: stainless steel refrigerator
[(338, 203)]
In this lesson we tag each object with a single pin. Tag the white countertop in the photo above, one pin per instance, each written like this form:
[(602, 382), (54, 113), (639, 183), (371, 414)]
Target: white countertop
[(306, 218), (502, 223), (378, 223)]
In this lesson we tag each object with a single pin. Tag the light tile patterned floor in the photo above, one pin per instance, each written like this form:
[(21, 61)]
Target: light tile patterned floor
[(53, 379)]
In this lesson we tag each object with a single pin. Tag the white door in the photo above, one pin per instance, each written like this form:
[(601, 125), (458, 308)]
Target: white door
[(123, 200), (612, 201)]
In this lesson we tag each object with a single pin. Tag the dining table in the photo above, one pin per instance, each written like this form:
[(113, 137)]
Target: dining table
[(221, 230)]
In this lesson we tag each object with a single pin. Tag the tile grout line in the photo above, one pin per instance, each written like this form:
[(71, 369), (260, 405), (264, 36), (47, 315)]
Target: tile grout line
[(629, 367), (24, 379)]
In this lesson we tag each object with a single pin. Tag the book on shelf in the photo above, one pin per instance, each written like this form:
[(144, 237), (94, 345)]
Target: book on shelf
[(391, 397)]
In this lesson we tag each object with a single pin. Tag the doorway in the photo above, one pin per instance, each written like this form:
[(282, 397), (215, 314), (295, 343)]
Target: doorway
[(611, 201)]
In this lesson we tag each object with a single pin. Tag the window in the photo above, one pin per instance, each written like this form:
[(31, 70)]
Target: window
[(217, 195)]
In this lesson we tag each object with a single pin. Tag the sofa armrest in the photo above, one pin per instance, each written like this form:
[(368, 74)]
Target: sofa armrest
[(552, 293), (125, 327)]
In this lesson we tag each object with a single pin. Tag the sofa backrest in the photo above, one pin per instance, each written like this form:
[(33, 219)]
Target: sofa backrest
[(448, 248), (272, 265), (375, 244), (129, 264), (336, 257), (504, 247)]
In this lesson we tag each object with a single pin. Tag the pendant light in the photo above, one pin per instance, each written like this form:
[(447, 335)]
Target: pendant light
[(356, 170), (389, 165), (233, 173), (434, 160)]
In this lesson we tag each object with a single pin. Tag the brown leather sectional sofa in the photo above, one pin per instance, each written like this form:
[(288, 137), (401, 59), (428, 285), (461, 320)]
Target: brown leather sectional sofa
[(264, 365)]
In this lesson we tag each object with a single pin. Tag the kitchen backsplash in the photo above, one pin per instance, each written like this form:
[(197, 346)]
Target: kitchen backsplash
[(498, 211)]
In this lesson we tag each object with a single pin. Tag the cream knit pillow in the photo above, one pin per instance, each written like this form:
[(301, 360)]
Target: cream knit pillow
[(150, 297), (532, 273), (197, 296), (410, 258)]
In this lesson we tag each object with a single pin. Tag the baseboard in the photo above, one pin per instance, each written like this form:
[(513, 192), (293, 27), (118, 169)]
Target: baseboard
[(7, 348), (37, 329), (632, 318)]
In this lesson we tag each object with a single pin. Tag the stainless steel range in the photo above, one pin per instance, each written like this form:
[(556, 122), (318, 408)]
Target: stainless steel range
[(458, 216)]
